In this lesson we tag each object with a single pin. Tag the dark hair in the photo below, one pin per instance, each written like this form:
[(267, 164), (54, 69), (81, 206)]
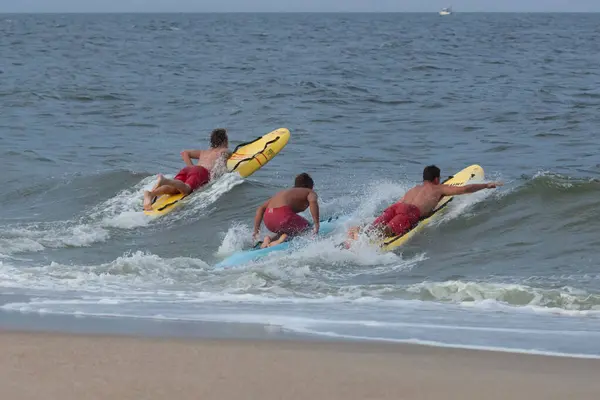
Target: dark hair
[(218, 138), (430, 173), (304, 181)]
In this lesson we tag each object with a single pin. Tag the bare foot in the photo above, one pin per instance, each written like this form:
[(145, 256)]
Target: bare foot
[(279, 240), (147, 201), (157, 184), (265, 242), (353, 233)]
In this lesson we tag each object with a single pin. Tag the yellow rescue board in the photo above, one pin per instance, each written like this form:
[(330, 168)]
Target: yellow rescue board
[(249, 157), (246, 159), (471, 174), (164, 204)]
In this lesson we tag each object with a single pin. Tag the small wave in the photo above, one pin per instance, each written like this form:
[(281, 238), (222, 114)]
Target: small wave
[(22, 245), (548, 118), (81, 231), (549, 135), (549, 183), (472, 128), (89, 97), (587, 95), (377, 195), (124, 210), (428, 68), (208, 196), (565, 299), (389, 102), (448, 345), (237, 238), (35, 237), (38, 157), (500, 149), (338, 321), (130, 273), (139, 125)]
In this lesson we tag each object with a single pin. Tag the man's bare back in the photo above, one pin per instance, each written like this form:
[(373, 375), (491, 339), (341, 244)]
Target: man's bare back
[(209, 158), (280, 212), (428, 194), (206, 158), (296, 198), (425, 197)]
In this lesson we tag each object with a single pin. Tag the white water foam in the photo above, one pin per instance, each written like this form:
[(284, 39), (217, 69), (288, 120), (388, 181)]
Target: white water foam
[(208, 196), (539, 341), (124, 210), (83, 232), (129, 273), (35, 237), (378, 196), (145, 294), (237, 238), (22, 245), (565, 300), (450, 345)]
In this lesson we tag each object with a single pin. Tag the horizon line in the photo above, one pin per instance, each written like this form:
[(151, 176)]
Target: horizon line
[(295, 12)]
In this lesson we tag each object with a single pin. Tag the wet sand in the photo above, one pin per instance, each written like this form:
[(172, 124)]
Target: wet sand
[(66, 366)]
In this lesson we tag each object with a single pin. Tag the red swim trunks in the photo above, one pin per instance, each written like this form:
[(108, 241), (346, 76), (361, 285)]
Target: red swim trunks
[(194, 176), (285, 220), (399, 217)]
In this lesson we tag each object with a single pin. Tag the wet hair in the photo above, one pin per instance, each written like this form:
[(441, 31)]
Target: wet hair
[(430, 173), (304, 181), (218, 138)]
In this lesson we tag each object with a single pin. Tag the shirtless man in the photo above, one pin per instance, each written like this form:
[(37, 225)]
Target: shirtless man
[(281, 212), (192, 176), (419, 202)]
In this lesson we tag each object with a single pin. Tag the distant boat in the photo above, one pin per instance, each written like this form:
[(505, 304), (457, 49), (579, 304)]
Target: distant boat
[(446, 11)]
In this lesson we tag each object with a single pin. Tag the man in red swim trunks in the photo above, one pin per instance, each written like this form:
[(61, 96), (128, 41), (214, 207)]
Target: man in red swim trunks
[(419, 202), (192, 176), (280, 212)]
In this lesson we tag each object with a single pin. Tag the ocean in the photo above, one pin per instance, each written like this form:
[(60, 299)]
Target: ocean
[(93, 107)]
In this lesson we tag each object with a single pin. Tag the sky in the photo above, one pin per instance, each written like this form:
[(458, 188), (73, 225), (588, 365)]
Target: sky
[(33, 6)]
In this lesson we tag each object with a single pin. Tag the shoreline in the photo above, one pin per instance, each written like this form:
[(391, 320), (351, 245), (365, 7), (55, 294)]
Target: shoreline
[(72, 366), (150, 328)]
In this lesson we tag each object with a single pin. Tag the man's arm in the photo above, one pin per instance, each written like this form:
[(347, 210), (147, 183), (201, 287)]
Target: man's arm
[(187, 156), (447, 190), (260, 212), (313, 203)]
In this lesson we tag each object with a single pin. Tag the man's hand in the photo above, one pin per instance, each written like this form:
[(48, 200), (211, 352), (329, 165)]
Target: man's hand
[(316, 229), (187, 156), (493, 185)]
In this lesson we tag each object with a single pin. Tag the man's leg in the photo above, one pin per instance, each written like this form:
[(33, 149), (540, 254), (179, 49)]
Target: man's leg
[(180, 186), (280, 240), (267, 241), (165, 186), (353, 233)]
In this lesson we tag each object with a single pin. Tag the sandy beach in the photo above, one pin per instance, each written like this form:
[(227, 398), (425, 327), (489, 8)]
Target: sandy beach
[(63, 366)]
